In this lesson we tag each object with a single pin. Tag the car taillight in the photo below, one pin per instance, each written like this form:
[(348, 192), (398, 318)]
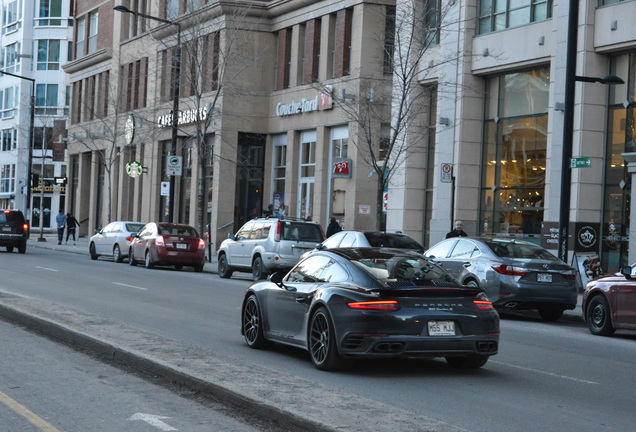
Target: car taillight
[(510, 270), (159, 241), (6, 211), (483, 305), (387, 305), (25, 228), (570, 274), (277, 233), (130, 238), (201, 244)]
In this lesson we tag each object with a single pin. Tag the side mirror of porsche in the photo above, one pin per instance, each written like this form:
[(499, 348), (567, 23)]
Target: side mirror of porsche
[(277, 278)]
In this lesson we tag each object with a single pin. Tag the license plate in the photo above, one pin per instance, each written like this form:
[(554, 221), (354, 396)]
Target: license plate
[(182, 245), (544, 277), (441, 328), (6, 229)]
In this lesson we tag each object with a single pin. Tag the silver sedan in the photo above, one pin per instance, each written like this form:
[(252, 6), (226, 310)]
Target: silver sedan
[(114, 240)]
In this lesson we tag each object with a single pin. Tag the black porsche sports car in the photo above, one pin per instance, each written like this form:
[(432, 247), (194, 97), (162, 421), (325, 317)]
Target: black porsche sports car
[(343, 304)]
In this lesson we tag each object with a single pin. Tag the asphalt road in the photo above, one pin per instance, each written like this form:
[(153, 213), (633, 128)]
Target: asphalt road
[(48, 387), (548, 377)]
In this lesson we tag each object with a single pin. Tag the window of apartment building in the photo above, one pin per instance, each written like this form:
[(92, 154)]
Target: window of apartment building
[(389, 40), (514, 153), (171, 9), (134, 78), (210, 62), (385, 141), (80, 43), (608, 2), (9, 138), (167, 58), (7, 178), (9, 61), (208, 167), (9, 101), (621, 138), (311, 51), (46, 99), (93, 27), (283, 63), (48, 55), (341, 54), (12, 17), (431, 22), (307, 172), (495, 15), (136, 23), (67, 100), (279, 164), (43, 138), (69, 52), (50, 13)]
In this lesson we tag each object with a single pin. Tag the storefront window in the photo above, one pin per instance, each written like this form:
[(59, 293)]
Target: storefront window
[(339, 150), (307, 173), (621, 138), (279, 163), (514, 154)]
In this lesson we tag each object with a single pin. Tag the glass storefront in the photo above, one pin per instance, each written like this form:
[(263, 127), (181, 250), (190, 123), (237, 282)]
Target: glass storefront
[(514, 154), (621, 138)]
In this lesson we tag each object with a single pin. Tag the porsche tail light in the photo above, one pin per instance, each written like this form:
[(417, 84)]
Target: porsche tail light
[(510, 270), (159, 241), (483, 305), (277, 232), (386, 305)]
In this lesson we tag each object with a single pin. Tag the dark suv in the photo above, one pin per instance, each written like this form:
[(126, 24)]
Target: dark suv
[(14, 231)]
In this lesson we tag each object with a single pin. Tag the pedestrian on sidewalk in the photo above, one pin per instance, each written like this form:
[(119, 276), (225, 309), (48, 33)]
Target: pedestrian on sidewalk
[(71, 223), (60, 219)]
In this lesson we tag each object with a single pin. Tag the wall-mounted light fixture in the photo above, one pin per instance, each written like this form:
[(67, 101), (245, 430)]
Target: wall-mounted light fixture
[(485, 53), (559, 106), (541, 40), (614, 25), (444, 121)]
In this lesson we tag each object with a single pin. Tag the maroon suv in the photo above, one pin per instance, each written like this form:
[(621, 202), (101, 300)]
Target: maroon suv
[(609, 302), (168, 244)]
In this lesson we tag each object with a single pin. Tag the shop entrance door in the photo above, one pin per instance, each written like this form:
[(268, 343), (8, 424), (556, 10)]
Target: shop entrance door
[(306, 198), (46, 208)]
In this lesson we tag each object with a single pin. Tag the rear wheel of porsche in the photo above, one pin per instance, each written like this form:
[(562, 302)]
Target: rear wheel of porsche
[(322, 342)]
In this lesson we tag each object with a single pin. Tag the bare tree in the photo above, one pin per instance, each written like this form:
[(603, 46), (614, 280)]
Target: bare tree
[(397, 103)]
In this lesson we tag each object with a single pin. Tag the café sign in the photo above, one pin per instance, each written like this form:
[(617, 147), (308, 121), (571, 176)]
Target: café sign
[(184, 117)]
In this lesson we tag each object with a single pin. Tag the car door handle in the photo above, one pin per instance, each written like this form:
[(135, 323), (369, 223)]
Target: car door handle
[(467, 264), (301, 299)]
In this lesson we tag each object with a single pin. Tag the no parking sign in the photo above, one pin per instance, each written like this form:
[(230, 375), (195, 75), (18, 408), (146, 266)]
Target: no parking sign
[(446, 173)]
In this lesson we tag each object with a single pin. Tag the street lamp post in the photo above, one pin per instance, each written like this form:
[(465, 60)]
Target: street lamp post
[(175, 99), (30, 154), (568, 123)]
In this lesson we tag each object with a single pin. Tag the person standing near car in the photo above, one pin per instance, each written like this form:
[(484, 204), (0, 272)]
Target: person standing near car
[(60, 220), (333, 227), (71, 223), (458, 231)]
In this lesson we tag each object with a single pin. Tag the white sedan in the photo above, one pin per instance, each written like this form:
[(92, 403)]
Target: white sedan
[(114, 240)]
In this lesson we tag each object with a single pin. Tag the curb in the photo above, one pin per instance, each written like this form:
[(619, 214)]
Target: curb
[(287, 401)]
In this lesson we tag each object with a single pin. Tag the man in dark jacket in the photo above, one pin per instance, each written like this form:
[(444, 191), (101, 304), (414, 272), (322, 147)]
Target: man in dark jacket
[(334, 227), (458, 231)]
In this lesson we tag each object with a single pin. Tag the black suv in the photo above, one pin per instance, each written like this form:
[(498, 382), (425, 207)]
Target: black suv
[(14, 231)]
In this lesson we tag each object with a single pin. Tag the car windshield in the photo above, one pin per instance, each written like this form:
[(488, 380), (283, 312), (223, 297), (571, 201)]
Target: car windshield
[(132, 227), (405, 268), (178, 231), (304, 232), (522, 250), (380, 239)]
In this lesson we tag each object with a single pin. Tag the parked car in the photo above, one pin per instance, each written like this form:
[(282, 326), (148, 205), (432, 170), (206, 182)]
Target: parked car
[(14, 230), (346, 239), (264, 245), (114, 240), (516, 275), (345, 304), (168, 244), (609, 302)]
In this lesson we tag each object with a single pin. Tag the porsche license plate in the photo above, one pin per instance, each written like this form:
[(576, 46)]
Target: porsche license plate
[(182, 246), (441, 328), (544, 277)]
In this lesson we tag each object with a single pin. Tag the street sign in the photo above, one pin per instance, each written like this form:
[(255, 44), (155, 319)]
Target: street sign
[(581, 162), (134, 169), (165, 189), (446, 173), (174, 166)]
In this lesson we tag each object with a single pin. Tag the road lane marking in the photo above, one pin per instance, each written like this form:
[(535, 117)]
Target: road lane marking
[(546, 373), (153, 420), (47, 269), (24, 412), (130, 286)]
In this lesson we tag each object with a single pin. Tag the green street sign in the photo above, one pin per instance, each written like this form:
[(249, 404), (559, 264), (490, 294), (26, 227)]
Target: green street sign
[(582, 162)]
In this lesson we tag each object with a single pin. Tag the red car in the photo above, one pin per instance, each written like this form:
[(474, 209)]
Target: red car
[(168, 244), (609, 302)]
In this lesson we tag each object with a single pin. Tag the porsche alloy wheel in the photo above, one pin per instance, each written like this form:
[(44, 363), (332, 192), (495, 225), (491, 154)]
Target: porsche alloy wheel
[(252, 324), (322, 342)]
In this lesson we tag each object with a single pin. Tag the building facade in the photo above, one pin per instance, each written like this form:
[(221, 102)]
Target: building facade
[(269, 97), (494, 156), (35, 41)]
